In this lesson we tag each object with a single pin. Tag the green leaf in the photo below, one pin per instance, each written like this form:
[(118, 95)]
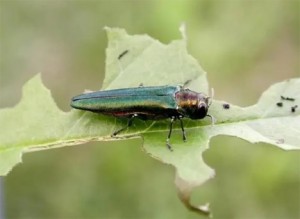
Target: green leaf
[(36, 123)]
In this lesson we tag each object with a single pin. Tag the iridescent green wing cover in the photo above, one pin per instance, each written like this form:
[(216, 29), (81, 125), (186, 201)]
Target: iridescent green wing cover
[(151, 102)]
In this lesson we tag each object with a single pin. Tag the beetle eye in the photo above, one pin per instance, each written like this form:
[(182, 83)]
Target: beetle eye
[(201, 110)]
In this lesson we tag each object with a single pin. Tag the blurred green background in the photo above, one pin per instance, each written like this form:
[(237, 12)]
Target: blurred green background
[(245, 46)]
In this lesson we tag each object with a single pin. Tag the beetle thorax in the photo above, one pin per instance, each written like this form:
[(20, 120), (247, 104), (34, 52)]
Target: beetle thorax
[(192, 104)]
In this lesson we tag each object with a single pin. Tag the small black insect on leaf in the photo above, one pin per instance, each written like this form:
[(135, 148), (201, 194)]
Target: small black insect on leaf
[(123, 54), (287, 98), (226, 105), (293, 108), (279, 104)]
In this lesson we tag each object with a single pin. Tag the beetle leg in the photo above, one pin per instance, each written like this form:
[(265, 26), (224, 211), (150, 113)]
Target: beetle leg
[(182, 128), (169, 135), (129, 123), (213, 120)]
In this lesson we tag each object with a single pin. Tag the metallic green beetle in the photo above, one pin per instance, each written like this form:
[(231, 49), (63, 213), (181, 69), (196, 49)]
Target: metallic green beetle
[(146, 103)]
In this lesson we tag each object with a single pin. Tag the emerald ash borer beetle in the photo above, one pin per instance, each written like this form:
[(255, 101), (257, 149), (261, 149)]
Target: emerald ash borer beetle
[(146, 103)]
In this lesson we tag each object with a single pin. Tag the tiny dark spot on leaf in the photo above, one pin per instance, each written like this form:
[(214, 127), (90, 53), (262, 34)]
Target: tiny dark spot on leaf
[(293, 108), (226, 106), (287, 98), (123, 54)]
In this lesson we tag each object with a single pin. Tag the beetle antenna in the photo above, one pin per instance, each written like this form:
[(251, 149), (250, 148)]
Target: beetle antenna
[(212, 93), (185, 84)]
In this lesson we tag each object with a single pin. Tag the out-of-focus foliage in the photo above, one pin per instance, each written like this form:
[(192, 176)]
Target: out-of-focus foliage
[(244, 46)]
